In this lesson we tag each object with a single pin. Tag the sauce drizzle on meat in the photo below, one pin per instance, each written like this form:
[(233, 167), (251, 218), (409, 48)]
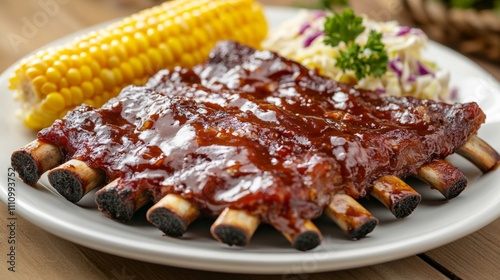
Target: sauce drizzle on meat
[(251, 130)]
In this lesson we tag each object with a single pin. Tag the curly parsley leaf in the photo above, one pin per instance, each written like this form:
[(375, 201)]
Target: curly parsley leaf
[(366, 60), (343, 27)]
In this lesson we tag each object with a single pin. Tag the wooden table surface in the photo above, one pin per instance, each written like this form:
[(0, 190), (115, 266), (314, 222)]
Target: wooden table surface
[(41, 255)]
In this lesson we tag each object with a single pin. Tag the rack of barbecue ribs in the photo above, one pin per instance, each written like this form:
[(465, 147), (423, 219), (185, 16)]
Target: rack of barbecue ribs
[(250, 137)]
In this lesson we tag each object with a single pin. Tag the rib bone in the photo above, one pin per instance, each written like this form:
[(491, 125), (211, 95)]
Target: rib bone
[(74, 179), (34, 159), (172, 214), (306, 238), (350, 216), (396, 195), (480, 154), (119, 201), (234, 227), (444, 177)]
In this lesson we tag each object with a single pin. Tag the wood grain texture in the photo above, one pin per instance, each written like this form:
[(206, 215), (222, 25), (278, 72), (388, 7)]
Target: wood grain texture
[(476, 256)]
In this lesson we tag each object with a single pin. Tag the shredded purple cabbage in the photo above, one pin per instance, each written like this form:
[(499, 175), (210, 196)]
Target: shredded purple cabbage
[(395, 68), (381, 90), (304, 27), (403, 31), (422, 70), (319, 14), (311, 38), (412, 78)]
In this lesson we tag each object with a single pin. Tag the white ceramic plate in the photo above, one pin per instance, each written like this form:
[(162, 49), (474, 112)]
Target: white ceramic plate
[(434, 223)]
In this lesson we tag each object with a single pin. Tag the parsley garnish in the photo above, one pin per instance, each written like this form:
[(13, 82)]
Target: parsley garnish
[(369, 59)]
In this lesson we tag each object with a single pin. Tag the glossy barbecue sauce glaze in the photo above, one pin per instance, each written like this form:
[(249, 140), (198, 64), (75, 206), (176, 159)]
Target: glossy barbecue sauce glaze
[(251, 130)]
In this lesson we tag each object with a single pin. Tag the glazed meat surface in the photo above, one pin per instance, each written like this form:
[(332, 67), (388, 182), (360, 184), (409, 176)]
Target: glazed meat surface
[(251, 130)]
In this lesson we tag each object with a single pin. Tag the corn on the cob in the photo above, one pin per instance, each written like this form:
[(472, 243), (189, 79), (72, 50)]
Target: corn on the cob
[(95, 67)]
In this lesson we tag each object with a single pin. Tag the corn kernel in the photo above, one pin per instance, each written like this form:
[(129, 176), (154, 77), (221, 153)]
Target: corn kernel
[(98, 55), (33, 72), (148, 66), (83, 46), (140, 25), (98, 86), (98, 101), (89, 102), (39, 81), (48, 87), (32, 121), (116, 91), (38, 64), (171, 28), (118, 77), (60, 66), (107, 95), (13, 81), (76, 95), (107, 78), (166, 53), (44, 113), (142, 41), (53, 75), (74, 77), (49, 59), (175, 46), (76, 60), (128, 73), (187, 60), (188, 20), (113, 61), (119, 49), (130, 45), (137, 67), (200, 36), (86, 73), (156, 59), (55, 101), (66, 60), (87, 89), (66, 94), (154, 36), (139, 81), (94, 66), (63, 83)]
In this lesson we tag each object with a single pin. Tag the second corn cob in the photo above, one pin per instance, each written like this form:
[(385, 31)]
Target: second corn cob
[(95, 67)]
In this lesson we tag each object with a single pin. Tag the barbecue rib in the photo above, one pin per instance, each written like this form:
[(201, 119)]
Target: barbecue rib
[(255, 137)]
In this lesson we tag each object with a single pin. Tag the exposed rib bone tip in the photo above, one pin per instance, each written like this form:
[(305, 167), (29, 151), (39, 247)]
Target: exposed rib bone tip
[(351, 216), (306, 237), (234, 227), (120, 202), (444, 177), (172, 215), (74, 179), (34, 159), (396, 195), (480, 153)]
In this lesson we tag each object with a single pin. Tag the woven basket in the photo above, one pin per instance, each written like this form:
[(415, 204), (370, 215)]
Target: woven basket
[(469, 31)]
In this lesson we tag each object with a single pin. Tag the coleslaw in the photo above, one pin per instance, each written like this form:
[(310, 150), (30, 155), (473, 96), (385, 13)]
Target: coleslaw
[(408, 73)]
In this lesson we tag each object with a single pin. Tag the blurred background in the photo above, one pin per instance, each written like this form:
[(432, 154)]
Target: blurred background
[(471, 27)]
